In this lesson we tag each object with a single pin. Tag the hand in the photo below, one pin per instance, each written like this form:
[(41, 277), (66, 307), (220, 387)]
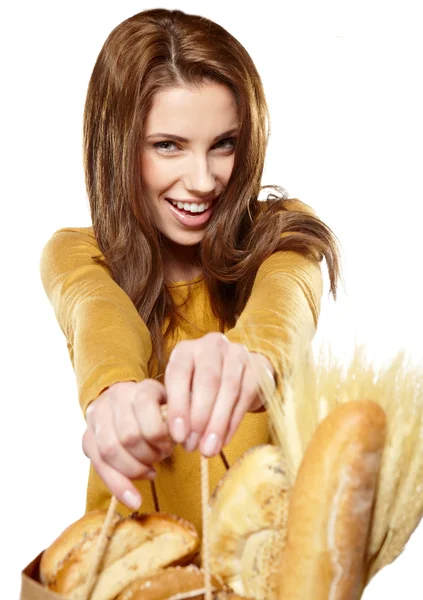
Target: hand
[(210, 384), (125, 435)]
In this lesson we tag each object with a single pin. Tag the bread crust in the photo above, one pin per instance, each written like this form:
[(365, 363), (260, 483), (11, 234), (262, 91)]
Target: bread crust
[(83, 531), (331, 506)]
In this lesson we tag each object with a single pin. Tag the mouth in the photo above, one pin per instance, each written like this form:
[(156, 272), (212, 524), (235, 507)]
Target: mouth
[(191, 214), (192, 207)]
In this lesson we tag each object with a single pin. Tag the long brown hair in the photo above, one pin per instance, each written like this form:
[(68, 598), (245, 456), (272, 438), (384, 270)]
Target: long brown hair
[(155, 50)]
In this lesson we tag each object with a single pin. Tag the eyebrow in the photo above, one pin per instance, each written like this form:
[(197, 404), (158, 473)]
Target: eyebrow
[(178, 138)]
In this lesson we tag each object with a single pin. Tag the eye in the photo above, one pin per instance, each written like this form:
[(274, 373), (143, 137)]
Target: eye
[(158, 145), (231, 140), (221, 144)]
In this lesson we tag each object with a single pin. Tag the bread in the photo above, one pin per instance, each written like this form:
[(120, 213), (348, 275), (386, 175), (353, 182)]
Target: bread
[(139, 546), (247, 522), (61, 556), (317, 387), (331, 506), (169, 584), (256, 549), (229, 596)]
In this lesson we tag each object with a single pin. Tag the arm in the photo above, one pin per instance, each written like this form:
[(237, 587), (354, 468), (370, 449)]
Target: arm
[(107, 340), (282, 310)]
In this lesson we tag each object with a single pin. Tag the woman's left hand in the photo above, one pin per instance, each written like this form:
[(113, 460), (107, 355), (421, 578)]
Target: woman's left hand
[(210, 384)]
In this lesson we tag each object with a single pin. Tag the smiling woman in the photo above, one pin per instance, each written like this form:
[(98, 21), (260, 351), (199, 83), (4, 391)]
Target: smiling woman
[(183, 184), (187, 289)]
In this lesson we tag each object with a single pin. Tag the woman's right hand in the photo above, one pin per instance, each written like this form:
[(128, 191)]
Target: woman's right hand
[(125, 435)]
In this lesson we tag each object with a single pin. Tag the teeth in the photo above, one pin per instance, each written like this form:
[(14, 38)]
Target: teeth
[(191, 207)]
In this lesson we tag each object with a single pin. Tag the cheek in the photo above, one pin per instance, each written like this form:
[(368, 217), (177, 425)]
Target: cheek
[(155, 173), (228, 168), (147, 169)]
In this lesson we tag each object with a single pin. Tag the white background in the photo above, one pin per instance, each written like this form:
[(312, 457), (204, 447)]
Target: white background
[(343, 85)]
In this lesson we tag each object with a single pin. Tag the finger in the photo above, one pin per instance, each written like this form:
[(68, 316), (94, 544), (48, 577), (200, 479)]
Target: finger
[(147, 404), (206, 384), (109, 447), (249, 390), (178, 377), (234, 364), (130, 435), (147, 409), (265, 375), (126, 424), (119, 485), (89, 413)]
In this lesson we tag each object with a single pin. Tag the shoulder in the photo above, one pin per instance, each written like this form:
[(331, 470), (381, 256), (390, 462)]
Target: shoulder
[(74, 234), (68, 239), (69, 248)]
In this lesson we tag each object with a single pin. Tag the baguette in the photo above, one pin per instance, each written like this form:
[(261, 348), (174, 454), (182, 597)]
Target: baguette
[(331, 506)]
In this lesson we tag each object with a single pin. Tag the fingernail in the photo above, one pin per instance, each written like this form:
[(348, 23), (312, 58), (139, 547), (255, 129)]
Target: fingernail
[(191, 442), (270, 374), (131, 500), (211, 446), (178, 430), (151, 475)]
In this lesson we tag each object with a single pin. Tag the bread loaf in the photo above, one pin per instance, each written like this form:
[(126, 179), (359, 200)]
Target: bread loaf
[(331, 506)]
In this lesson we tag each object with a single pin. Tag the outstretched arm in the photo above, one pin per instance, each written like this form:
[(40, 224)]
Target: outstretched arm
[(108, 342), (282, 310)]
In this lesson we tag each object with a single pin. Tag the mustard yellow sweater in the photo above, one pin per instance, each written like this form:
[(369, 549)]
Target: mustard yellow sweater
[(108, 342)]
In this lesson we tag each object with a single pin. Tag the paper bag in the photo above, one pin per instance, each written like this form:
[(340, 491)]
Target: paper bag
[(31, 588)]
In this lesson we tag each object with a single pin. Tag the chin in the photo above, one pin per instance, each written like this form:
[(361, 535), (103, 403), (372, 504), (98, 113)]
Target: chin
[(191, 238)]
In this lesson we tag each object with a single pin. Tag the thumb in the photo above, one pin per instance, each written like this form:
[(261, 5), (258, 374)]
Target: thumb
[(119, 485)]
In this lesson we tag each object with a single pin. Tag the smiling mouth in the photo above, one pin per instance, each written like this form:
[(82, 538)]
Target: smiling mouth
[(192, 208), (202, 201)]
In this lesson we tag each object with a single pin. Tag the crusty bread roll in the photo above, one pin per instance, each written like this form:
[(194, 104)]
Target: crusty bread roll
[(331, 506), (139, 546), (247, 523), (74, 540)]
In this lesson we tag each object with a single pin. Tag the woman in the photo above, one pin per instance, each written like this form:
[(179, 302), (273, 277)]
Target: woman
[(181, 251)]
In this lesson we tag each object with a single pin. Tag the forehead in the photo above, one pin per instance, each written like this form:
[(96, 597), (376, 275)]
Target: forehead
[(206, 110)]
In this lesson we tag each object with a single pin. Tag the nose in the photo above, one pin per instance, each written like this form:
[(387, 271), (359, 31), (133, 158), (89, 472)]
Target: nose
[(199, 178)]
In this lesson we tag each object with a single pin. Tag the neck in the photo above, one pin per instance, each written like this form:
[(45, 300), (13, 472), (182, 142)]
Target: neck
[(181, 263)]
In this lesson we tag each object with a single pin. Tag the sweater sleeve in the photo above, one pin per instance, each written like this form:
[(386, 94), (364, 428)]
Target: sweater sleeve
[(281, 314), (107, 340)]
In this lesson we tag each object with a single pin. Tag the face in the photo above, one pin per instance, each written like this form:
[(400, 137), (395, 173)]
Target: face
[(183, 178)]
